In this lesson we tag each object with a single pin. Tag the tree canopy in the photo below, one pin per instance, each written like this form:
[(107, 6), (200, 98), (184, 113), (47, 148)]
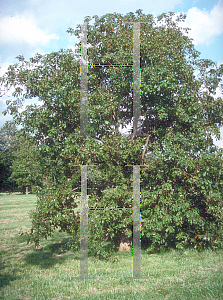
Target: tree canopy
[(181, 189), (8, 143), (25, 165)]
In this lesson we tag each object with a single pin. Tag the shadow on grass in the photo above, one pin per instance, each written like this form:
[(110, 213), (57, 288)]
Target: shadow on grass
[(6, 278), (48, 256)]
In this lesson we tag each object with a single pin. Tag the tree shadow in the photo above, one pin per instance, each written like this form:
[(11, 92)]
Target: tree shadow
[(7, 278), (49, 255)]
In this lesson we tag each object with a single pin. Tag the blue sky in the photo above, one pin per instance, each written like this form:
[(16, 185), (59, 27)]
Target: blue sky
[(31, 26)]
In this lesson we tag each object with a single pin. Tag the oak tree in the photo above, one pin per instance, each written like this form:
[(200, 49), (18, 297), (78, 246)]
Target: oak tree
[(181, 186)]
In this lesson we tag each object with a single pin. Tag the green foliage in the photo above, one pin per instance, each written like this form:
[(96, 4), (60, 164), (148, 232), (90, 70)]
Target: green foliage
[(181, 188), (55, 208), (182, 202), (25, 165), (8, 143), (5, 184)]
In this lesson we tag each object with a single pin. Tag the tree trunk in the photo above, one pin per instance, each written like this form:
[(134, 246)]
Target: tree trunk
[(26, 190)]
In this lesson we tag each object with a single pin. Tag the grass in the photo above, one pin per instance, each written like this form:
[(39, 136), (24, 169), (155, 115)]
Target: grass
[(45, 273)]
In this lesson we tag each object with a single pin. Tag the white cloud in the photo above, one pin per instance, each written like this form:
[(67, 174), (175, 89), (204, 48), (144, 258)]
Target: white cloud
[(3, 67), (3, 119), (205, 25), (219, 92), (23, 30), (220, 142)]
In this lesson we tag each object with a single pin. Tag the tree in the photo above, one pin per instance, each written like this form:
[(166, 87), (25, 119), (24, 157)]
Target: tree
[(8, 143), (181, 187), (25, 165)]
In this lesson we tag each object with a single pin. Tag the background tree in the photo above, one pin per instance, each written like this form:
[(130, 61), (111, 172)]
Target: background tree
[(8, 143), (181, 190), (25, 166)]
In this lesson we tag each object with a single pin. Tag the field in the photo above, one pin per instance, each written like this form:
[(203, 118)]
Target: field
[(46, 273)]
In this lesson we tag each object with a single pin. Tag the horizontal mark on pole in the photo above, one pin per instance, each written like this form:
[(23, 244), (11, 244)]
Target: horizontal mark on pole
[(100, 65), (105, 208)]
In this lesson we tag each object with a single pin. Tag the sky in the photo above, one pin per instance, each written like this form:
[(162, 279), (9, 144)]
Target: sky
[(28, 27)]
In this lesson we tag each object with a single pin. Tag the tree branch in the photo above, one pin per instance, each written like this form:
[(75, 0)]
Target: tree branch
[(75, 189), (114, 116), (144, 150)]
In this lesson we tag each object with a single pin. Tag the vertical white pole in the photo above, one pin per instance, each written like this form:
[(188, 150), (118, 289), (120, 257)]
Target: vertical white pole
[(84, 66)]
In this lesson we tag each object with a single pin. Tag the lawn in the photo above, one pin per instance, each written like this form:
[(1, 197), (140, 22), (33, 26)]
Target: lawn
[(46, 273)]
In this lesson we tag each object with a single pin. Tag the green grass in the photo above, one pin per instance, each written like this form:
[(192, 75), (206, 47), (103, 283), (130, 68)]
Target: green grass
[(45, 273)]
